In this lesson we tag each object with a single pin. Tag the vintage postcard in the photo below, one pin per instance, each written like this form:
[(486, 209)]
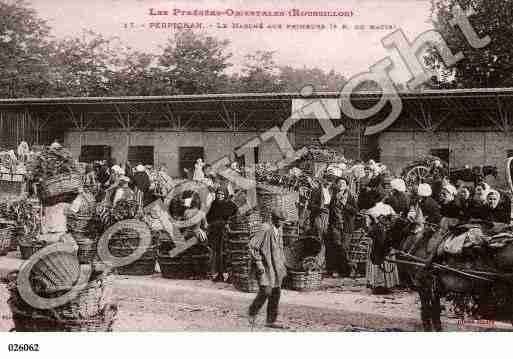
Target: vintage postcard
[(272, 166)]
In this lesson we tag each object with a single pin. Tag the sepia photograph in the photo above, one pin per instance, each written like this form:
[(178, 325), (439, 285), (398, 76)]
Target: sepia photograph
[(255, 167)]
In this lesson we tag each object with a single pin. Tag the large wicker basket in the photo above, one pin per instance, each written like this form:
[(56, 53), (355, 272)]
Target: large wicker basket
[(89, 302), (303, 281), (304, 249), (28, 321), (272, 197), (61, 184)]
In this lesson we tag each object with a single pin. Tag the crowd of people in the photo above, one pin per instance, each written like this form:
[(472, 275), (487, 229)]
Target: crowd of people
[(334, 210)]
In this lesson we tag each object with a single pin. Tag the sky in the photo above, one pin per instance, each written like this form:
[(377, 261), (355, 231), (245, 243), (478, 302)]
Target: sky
[(348, 51)]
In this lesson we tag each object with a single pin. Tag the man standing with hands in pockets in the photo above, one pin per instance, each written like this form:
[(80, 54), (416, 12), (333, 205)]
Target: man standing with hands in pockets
[(269, 261)]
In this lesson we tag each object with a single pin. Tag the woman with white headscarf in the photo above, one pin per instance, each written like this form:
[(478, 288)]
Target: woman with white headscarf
[(398, 199), (499, 207)]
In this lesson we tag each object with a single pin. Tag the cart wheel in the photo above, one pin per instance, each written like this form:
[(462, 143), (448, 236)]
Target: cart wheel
[(416, 175)]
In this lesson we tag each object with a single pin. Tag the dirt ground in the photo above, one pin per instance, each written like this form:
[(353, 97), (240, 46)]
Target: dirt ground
[(153, 303)]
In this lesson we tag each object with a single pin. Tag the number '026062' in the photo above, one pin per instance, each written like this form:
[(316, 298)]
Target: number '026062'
[(23, 347)]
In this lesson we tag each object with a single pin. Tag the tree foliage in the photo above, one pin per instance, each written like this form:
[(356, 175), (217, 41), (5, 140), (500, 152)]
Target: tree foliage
[(33, 64), (193, 63), (490, 66), (24, 51)]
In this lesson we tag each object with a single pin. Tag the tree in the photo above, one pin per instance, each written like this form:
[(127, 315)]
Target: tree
[(193, 63), (24, 51), (490, 66), (260, 73), (293, 80), (85, 66)]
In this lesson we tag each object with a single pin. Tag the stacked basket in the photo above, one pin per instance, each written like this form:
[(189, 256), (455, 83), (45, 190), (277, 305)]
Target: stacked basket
[(194, 263), (53, 276), (81, 227), (358, 250), (242, 229)]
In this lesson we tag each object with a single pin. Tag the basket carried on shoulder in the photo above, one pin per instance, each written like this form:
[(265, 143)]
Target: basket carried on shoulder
[(61, 184), (272, 197), (7, 237), (303, 281)]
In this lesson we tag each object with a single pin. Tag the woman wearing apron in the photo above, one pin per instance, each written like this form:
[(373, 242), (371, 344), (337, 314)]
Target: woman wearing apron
[(380, 278)]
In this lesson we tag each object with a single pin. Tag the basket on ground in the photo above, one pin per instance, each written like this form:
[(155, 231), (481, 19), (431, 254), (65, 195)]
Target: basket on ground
[(243, 276), (303, 281), (28, 321), (305, 248), (194, 263)]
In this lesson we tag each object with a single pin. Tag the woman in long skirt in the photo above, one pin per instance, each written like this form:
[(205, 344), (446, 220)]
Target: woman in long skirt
[(380, 278)]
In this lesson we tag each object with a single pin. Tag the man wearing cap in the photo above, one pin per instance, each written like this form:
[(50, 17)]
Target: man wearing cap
[(266, 250), (398, 199)]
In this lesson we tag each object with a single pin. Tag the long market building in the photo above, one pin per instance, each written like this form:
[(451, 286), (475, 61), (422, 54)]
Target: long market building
[(464, 127)]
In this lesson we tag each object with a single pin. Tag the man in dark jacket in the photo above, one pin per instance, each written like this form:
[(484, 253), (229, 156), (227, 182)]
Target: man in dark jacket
[(268, 257), (343, 210)]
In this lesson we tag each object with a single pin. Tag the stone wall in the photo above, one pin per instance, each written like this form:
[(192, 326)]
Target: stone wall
[(472, 148)]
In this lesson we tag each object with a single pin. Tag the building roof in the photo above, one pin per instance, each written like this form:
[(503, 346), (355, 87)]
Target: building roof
[(477, 92)]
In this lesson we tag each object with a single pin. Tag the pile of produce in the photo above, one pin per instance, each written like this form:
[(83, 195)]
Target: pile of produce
[(52, 162), (269, 174), (23, 213), (317, 154)]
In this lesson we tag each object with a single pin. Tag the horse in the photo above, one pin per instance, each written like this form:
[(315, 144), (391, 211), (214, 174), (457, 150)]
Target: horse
[(474, 276)]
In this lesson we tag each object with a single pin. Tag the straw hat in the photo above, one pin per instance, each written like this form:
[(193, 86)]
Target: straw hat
[(140, 168)]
